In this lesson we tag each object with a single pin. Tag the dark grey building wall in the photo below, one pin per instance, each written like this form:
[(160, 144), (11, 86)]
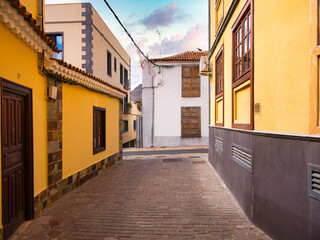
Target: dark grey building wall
[(275, 196)]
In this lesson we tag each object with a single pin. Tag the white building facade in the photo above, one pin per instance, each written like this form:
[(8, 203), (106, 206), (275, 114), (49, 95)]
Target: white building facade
[(175, 102)]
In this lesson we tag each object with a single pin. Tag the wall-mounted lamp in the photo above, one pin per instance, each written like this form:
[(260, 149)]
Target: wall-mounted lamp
[(52, 92)]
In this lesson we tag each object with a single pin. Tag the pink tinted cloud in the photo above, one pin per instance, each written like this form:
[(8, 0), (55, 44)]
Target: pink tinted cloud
[(196, 37)]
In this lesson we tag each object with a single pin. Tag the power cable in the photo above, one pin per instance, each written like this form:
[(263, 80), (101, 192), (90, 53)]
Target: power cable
[(115, 15)]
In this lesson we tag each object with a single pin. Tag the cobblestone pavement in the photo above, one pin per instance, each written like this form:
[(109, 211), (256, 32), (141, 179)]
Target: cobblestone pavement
[(149, 197)]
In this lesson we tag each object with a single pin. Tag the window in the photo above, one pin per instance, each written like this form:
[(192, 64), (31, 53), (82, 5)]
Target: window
[(219, 73), (125, 126), (121, 74), (115, 64), (99, 129), (190, 122), (219, 13), (126, 79), (190, 82), (242, 47), (135, 125), (58, 40), (242, 65), (109, 64), (219, 81)]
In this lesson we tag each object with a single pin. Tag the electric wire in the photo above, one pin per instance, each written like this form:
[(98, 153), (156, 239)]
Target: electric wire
[(124, 28)]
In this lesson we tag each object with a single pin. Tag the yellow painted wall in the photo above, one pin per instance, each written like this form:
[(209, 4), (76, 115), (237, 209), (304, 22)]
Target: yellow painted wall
[(17, 57), (77, 128), (131, 134), (281, 64), (282, 70), (31, 6)]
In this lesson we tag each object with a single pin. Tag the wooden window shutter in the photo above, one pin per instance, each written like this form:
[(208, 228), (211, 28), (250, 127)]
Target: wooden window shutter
[(190, 82), (190, 122)]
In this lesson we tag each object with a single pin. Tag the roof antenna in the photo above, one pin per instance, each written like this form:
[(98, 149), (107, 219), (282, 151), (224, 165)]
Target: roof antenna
[(160, 34)]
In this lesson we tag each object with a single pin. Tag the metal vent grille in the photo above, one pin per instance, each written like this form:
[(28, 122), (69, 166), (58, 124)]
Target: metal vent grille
[(218, 144), (314, 181), (242, 156)]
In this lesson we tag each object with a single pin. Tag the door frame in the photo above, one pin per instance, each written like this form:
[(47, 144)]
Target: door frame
[(11, 87)]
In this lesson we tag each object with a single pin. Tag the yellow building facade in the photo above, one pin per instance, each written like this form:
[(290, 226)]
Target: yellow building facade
[(264, 110), (60, 125)]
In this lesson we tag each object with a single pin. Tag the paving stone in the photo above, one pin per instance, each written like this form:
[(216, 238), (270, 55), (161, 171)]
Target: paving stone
[(146, 197)]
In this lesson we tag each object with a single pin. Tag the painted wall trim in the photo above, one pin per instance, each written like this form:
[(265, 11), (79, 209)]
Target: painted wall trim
[(292, 136), (88, 39), (232, 8)]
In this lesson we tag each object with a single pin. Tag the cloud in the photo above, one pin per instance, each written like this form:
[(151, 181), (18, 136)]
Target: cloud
[(163, 16), (196, 37)]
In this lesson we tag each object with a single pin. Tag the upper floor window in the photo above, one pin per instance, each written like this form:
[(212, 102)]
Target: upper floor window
[(109, 64), (115, 64), (190, 82), (219, 13), (125, 126), (58, 40), (242, 46), (121, 74), (219, 73)]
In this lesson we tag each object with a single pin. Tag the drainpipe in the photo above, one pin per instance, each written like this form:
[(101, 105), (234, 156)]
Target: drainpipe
[(40, 13), (152, 130)]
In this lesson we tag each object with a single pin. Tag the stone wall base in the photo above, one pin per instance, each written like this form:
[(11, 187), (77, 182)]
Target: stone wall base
[(56, 190)]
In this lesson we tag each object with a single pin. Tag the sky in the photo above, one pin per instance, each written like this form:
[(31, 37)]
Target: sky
[(183, 25)]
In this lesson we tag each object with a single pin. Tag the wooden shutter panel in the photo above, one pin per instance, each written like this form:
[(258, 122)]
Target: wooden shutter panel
[(190, 122), (190, 82)]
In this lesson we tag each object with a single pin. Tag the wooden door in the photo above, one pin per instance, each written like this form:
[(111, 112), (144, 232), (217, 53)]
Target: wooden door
[(13, 160), (190, 122)]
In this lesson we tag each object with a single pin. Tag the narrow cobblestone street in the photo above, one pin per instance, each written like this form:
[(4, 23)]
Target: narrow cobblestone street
[(147, 197)]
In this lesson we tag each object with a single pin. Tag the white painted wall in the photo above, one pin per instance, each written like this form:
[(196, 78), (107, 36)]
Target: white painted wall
[(167, 110), (147, 108)]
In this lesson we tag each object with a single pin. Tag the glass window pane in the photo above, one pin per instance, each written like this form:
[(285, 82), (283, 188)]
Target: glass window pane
[(249, 41), (249, 61), (245, 45), (240, 51), (245, 26), (249, 21), (240, 34), (240, 68), (245, 62)]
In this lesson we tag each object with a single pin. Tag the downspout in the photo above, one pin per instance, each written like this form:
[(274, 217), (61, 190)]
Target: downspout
[(40, 13), (152, 130)]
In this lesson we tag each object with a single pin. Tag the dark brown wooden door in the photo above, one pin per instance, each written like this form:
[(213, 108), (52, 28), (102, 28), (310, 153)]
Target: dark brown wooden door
[(13, 160), (190, 122)]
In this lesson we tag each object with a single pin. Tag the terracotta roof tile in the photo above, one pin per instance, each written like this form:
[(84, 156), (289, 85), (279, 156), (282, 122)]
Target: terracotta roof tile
[(190, 56), (32, 22), (68, 65)]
